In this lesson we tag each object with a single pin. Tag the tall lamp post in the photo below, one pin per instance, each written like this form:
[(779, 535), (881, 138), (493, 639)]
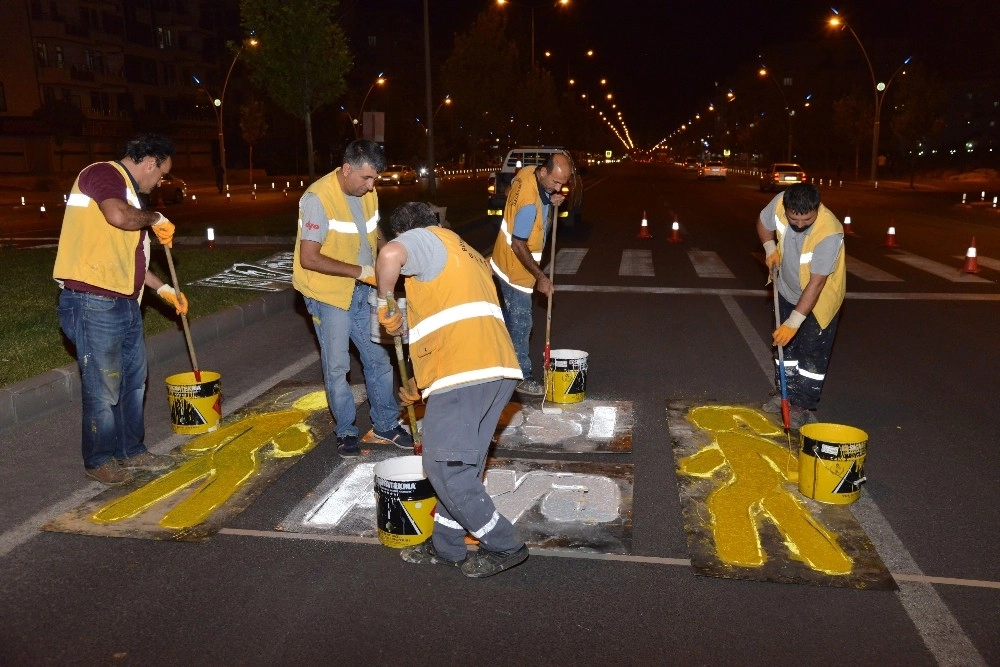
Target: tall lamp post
[(788, 111), (218, 102), (533, 7), (878, 87), (379, 80)]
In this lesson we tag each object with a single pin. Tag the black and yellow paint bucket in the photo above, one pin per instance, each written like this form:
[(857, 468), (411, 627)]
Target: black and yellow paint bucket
[(195, 404), (832, 462), (404, 502), (566, 377)]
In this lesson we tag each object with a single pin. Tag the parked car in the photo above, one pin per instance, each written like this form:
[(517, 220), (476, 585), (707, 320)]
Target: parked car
[(712, 169), (691, 163), (398, 174), (781, 175), (171, 189)]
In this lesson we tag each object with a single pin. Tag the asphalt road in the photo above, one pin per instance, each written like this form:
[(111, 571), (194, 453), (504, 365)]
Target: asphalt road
[(915, 365)]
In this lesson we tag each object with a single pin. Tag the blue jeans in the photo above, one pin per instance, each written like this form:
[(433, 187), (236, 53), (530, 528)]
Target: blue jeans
[(516, 308), (111, 352), (336, 328)]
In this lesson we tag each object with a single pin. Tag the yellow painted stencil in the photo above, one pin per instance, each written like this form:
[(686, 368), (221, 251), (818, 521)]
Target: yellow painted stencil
[(752, 489), (223, 461)]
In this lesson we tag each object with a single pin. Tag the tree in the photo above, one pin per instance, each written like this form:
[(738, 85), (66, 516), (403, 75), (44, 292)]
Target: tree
[(916, 114), (253, 126), (301, 59), (63, 119), (852, 119)]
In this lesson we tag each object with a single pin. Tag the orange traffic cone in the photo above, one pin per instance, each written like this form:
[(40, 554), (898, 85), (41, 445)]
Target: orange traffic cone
[(675, 233), (644, 229), (228, 198), (286, 193), (971, 261), (194, 199), (42, 213), (890, 239), (848, 231), (253, 195)]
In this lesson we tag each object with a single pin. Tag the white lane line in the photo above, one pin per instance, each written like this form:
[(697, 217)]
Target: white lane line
[(951, 273), (563, 553), (717, 291), (934, 622), (708, 264), (568, 260), (636, 263), (602, 423), (761, 353), (869, 273), (14, 537)]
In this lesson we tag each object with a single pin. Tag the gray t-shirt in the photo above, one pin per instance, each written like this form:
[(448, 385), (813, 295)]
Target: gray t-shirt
[(823, 260), (315, 225), (425, 254)]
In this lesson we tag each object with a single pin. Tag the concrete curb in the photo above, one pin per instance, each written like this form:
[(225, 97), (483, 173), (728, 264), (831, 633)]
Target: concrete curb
[(30, 399)]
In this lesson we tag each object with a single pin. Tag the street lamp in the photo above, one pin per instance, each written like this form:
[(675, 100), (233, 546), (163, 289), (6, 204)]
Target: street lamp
[(252, 41), (532, 7), (379, 80), (446, 100), (788, 112), (879, 87)]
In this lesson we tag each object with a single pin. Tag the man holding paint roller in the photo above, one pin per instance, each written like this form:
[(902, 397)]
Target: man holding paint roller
[(333, 268), (517, 252), (102, 267), (465, 362), (806, 242)]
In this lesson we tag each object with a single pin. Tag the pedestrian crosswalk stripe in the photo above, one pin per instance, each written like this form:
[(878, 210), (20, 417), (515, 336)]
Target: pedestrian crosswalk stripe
[(952, 273), (869, 273), (708, 264), (985, 262), (568, 260), (636, 263)]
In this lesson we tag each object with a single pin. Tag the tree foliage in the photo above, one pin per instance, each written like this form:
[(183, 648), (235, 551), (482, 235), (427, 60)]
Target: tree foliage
[(253, 126), (301, 58)]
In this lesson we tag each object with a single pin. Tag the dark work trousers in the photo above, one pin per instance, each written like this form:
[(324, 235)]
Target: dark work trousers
[(458, 429), (807, 356)]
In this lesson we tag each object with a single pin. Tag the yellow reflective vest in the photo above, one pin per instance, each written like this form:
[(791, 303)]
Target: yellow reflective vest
[(523, 191), (342, 242), (457, 332), (92, 250), (832, 296)]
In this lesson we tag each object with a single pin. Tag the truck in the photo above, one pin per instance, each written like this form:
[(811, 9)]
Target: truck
[(571, 210)]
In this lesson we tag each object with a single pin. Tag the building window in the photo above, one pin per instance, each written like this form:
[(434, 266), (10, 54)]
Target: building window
[(3, 99), (43, 54), (49, 94), (59, 57), (164, 38)]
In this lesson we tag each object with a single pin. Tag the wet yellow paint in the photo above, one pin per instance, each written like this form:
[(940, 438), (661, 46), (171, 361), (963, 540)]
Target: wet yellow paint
[(223, 461), (753, 490)]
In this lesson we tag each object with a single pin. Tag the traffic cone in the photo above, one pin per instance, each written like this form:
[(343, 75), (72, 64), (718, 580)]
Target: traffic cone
[(194, 199), (971, 261), (848, 231), (253, 195), (42, 213), (675, 233), (890, 239), (644, 229), (228, 198), (286, 192)]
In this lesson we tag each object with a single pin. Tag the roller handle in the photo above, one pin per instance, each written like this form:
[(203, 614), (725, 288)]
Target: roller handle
[(184, 319), (786, 418), (418, 446)]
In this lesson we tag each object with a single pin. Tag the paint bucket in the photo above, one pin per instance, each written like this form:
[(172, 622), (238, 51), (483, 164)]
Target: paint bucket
[(404, 501), (195, 407), (566, 377), (832, 462), (378, 332)]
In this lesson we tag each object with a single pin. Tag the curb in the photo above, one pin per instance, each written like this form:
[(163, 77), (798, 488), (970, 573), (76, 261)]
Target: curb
[(30, 399)]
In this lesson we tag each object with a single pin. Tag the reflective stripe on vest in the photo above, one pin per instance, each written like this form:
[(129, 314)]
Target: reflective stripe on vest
[(452, 315)]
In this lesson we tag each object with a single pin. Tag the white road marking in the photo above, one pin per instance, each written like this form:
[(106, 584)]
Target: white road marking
[(357, 489), (708, 264), (951, 273), (717, 291), (636, 263), (988, 262), (869, 273), (602, 423), (568, 260)]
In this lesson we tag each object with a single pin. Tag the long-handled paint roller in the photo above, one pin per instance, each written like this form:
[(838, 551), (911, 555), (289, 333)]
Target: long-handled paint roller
[(786, 418), (404, 376), (548, 315), (184, 319)]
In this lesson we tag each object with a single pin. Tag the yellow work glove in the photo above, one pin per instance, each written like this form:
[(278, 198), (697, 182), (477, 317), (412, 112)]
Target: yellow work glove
[(408, 393), (164, 230), (771, 256), (392, 323), (784, 334), (368, 275), (174, 298)]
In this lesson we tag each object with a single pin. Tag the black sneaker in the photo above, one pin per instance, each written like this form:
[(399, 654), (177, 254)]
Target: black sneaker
[(484, 563), (397, 436), (348, 446), (424, 554), (530, 387)]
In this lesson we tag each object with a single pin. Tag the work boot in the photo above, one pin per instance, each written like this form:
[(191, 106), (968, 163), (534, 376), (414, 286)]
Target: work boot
[(424, 554), (799, 417), (485, 563), (348, 447), (530, 387), (147, 461), (773, 406), (110, 473), (396, 436)]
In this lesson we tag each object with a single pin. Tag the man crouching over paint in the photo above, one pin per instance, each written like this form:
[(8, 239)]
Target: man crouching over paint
[(805, 241), (464, 360)]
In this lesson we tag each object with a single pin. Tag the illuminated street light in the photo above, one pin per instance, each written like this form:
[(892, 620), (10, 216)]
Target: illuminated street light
[(879, 88), (532, 7), (788, 111), (379, 80)]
